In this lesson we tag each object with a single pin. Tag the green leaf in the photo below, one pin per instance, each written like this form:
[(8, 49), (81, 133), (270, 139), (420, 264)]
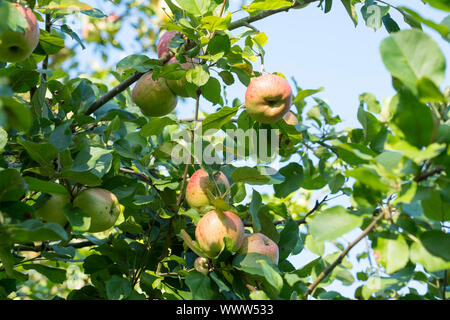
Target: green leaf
[(49, 43), (441, 28), (262, 5), (412, 120), (213, 23), (428, 91), (289, 238), (93, 159), (198, 76), (258, 295), (218, 119), (333, 223), (155, 126), (195, 7), (35, 230), (7, 260), (437, 243), (53, 274), (12, 185), (219, 44), (439, 4), (61, 137), (252, 176), (436, 208), (350, 7), (431, 263), (368, 177), (18, 115), (138, 62), (3, 139), (43, 153), (250, 263), (79, 220), (211, 91), (254, 207), (117, 288), (412, 54), (314, 246), (390, 24), (294, 177), (394, 253), (200, 286), (84, 178), (271, 275), (35, 184)]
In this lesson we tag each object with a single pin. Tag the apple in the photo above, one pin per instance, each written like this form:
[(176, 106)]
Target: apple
[(163, 43), (201, 265), (17, 46), (268, 98), (260, 243), (214, 226), (154, 98), (290, 118), (101, 205), (52, 209), (178, 87), (196, 194)]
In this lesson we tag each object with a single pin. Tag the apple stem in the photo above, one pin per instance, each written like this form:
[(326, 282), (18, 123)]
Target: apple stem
[(188, 240)]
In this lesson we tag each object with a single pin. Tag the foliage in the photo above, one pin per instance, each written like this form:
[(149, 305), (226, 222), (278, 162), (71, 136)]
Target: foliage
[(393, 170)]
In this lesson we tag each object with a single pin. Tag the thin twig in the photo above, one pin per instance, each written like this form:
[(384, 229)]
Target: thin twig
[(426, 174), (330, 268)]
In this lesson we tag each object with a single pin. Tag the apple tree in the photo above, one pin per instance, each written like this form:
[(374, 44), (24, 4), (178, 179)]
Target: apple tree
[(94, 204)]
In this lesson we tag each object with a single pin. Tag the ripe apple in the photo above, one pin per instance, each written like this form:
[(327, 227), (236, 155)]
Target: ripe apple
[(101, 205), (214, 226), (196, 194), (154, 98), (52, 209), (260, 243), (178, 87), (290, 118), (163, 43), (17, 46), (268, 98), (201, 265)]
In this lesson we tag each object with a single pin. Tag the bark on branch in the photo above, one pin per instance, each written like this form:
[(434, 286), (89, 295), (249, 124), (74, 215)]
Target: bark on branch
[(341, 257)]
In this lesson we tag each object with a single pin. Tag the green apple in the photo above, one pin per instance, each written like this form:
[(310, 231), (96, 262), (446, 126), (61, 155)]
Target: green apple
[(52, 209), (202, 265), (199, 183), (101, 205), (154, 98), (268, 98), (214, 226), (17, 46)]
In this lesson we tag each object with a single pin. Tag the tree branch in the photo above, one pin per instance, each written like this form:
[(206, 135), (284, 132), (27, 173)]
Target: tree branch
[(330, 268), (43, 247), (264, 14), (426, 174), (298, 221)]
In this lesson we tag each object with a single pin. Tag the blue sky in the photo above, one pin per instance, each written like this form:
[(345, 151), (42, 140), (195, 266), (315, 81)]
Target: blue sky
[(318, 50)]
